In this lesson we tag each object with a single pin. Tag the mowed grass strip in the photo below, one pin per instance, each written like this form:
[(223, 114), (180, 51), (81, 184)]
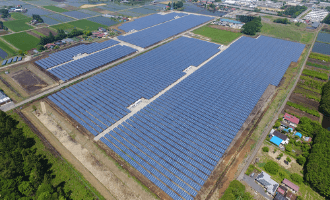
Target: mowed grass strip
[(18, 25), (84, 24), (16, 15), (22, 41), (7, 48), (288, 31), (56, 9), (217, 35)]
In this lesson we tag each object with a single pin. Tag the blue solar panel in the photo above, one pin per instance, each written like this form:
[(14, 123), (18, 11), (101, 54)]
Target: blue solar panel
[(77, 14), (4, 62)]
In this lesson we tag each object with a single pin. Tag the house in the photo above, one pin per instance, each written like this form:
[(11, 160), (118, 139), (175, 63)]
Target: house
[(282, 189), (289, 195), (307, 139), (284, 138), (315, 25), (292, 186), (49, 45), (298, 134), (279, 196), (101, 29), (67, 40), (291, 120), (3, 98), (59, 43), (276, 140), (269, 184)]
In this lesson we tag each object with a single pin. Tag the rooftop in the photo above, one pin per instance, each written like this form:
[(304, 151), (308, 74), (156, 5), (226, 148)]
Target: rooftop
[(264, 179), (276, 140), (291, 185), (280, 135), (291, 118)]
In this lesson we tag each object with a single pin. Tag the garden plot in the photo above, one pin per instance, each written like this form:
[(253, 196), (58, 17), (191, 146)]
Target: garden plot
[(45, 31), (300, 99), (299, 113), (29, 81)]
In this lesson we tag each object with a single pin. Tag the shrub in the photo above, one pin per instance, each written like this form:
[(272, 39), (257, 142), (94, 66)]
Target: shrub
[(265, 149), (271, 167), (296, 178), (283, 174), (34, 108), (280, 155), (249, 170), (301, 160), (277, 124), (288, 148), (288, 159)]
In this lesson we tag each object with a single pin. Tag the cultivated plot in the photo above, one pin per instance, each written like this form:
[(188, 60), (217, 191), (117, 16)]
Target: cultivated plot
[(22, 41)]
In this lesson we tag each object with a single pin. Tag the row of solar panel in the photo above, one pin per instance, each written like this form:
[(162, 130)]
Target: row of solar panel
[(148, 21), (89, 63), (11, 60), (170, 118), (66, 55), (158, 33)]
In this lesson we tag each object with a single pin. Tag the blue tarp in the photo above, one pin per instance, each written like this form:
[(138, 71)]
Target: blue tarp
[(276, 140), (298, 134), (287, 130)]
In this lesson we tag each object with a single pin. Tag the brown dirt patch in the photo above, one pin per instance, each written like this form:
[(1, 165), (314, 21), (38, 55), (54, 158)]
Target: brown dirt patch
[(45, 31), (67, 7), (318, 62), (33, 34), (299, 113), (96, 9), (300, 99), (29, 81), (224, 28)]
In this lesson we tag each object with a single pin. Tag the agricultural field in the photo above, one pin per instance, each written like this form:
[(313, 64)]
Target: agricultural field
[(217, 35), (56, 9), (18, 16), (288, 31), (22, 41), (18, 25), (65, 26), (9, 50), (84, 24)]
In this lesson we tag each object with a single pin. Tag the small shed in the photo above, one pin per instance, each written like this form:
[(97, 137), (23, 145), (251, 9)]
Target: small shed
[(291, 185), (276, 140)]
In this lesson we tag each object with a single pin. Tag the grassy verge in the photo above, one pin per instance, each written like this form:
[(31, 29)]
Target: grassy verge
[(312, 73), (56, 9), (318, 65), (22, 40), (303, 108), (18, 25), (64, 26), (84, 24), (217, 35)]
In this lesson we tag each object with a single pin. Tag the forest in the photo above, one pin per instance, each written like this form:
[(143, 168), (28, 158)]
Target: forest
[(325, 99)]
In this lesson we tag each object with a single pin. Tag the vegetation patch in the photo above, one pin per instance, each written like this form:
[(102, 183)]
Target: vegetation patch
[(18, 25), (325, 99), (236, 190), (217, 35), (56, 9), (312, 73), (64, 26), (22, 41), (312, 83), (17, 15), (4, 46), (303, 108), (318, 56), (307, 94), (318, 65), (84, 24)]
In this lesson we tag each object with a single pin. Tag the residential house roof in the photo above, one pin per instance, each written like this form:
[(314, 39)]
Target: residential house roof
[(284, 124), (308, 139), (276, 140), (279, 197), (280, 135), (289, 195), (315, 24), (298, 134), (280, 190), (291, 185), (264, 179), (283, 188), (291, 118)]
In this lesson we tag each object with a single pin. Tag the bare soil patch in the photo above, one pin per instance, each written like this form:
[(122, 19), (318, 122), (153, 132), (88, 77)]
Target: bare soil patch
[(45, 31), (92, 5), (300, 99), (33, 34), (299, 113), (224, 28), (29, 81), (96, 9), (318, 62), (67, 7)]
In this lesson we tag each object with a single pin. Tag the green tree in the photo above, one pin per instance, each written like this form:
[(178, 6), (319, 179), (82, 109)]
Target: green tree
[(271, 167), (288, 159), (277, 124), (296, 178), (265, 149), (288, 148)]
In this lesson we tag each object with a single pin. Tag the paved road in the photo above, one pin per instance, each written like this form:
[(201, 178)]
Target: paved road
[(267, 129), (250, 181)]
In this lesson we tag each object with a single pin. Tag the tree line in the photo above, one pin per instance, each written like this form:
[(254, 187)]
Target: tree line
[(245, 18), (293, 11), (325, 99), (282, 21), (252, 27), (60, 35)]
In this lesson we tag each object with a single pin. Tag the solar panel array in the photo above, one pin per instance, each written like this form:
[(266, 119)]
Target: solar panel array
[(37, 11), (103, 20), (103, 99), (77, 14), (50, 21), (60, 17), (177, 140), (11, 60), (66, 55), (142, 10), (150, 20), (89, 63), (158, 33)]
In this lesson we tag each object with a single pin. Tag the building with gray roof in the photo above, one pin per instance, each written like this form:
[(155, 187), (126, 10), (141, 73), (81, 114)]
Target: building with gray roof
[(265, 180)]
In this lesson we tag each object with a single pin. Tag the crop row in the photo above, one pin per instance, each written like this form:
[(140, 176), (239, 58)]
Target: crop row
[(312, 73), (318, 65), (319, 57), (303, 108), (307, 95), (315, 85)]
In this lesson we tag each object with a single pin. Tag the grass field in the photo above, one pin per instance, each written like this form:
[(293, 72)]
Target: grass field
[(6, 48), (56, 9), (22, 41), (217, 35), (16, 15), (38, 33), (289, 31), (84, 24), (64, 26), (18, 25)]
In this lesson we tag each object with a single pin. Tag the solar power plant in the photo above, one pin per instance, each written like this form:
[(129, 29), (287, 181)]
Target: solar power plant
[(320, 47), (142, 10), (9, 60), (37, 11), (60, 17), (158, 33), (150, 20), (101, 100), (77, 14), (89, 12), (103, 20), (129, 13), (66, 55), (189, 7), (85, 64), (4, 62), (50, 21), (177, 140)]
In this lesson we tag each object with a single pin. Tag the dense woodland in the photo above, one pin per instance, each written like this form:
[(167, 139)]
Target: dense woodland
[(24, 174), (325, 99), (252, 27), (60, 35), (326, 19), (293, 11), (244, 18)]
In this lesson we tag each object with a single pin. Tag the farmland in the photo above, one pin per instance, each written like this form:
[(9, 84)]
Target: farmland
[(22, 41), (18, 16), (9, 50), (65, 26), (86, 25), (217, 35), (18, 25), (56, 9)]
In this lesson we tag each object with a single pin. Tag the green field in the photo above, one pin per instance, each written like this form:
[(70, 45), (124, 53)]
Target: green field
[(217, 35), (7, 48), (22, 41), (64, 26), (16, 15), (38, 33), (18, 25), (288, 31), (84, 24), (56, 9)]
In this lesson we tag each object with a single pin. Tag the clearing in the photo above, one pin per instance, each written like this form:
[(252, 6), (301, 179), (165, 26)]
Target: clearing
[(22, 41), (18, 25), (217, 35), (56, 9), (85, 24), (288, 31)]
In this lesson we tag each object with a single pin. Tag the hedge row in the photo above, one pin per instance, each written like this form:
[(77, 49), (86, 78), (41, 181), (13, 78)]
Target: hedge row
[(303, 108), (312, 73)]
